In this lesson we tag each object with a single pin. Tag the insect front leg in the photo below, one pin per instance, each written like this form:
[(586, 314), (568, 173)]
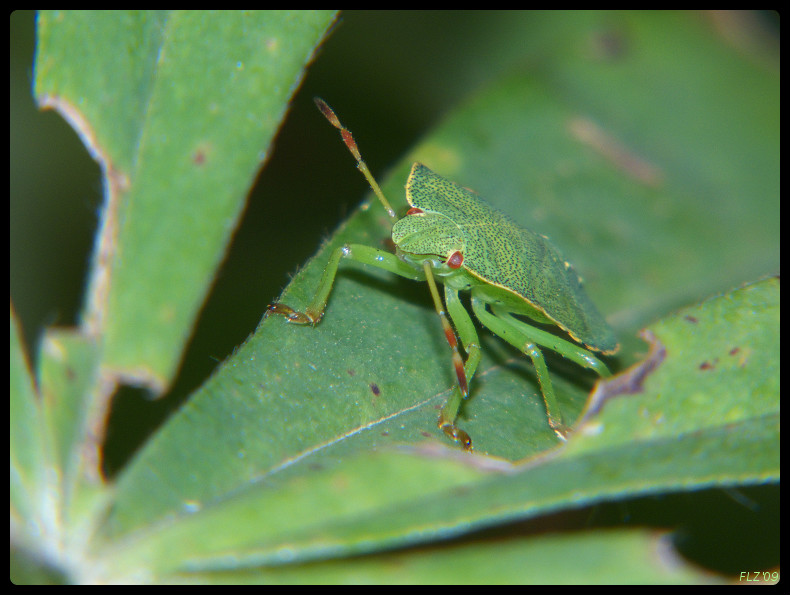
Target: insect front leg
[(468, 334), (356, 252), (448, 424)]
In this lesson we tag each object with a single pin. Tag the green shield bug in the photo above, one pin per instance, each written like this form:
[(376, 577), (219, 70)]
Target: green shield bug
[(451, 235)]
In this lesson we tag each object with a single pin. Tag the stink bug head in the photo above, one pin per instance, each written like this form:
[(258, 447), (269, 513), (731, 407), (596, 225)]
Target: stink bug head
[(427, 234), (452, 235)]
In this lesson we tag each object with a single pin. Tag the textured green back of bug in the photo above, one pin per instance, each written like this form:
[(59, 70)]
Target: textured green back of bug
[(501, 252)]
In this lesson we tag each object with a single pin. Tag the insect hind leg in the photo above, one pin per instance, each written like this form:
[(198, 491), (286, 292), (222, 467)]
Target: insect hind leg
[(527, 339)]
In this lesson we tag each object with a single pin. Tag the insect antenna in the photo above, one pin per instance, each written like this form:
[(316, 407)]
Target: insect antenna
[(345, 133)]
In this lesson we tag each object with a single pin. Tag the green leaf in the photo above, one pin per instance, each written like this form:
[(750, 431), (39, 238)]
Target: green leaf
[(374, 372), (180, 114), (28, 449), (645, 439), (179, 108), (656, 175), (615, 556)]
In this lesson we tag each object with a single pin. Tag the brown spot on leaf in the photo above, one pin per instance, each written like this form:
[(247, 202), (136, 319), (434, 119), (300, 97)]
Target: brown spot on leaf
[(631, 381)]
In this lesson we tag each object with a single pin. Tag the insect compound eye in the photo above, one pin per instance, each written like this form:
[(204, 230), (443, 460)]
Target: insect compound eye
[(456, 260), (414, 211)]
